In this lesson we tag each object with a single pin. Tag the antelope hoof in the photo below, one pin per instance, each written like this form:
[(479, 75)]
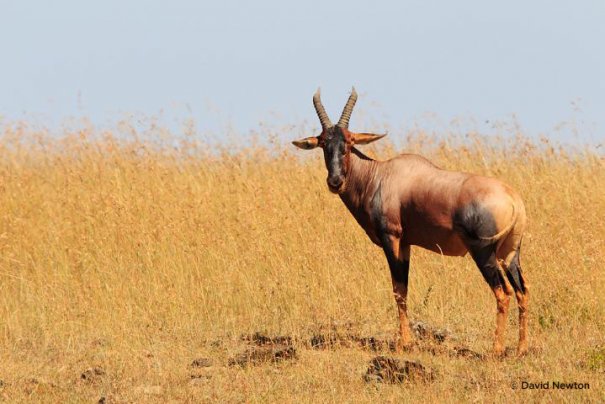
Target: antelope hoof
[(521, 351), (404, 346), (498, 352)]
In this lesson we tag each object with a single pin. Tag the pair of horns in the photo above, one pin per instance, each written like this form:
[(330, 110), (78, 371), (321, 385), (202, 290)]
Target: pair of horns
[(346, 112)]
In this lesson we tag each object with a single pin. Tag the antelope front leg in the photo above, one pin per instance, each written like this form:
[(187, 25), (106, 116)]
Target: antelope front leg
[(399, 278), (399, 264)]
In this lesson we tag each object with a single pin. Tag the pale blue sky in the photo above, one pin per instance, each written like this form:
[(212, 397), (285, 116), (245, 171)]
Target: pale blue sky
[(240, 63)]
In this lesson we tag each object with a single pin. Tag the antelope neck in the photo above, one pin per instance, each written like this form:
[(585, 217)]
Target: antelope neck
[(360, 179)]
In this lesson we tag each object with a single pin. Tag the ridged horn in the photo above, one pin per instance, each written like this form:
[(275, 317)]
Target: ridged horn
[(321, 112), (348, 109)]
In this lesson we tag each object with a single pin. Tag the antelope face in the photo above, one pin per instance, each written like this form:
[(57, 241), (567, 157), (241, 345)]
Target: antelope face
[(336, 142), (336, 155)]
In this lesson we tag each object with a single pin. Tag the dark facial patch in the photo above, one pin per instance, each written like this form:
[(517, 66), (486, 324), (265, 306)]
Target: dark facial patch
[(334, 146), (474, 222)]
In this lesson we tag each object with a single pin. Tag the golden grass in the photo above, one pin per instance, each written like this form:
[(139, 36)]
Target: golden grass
[(138, 257)]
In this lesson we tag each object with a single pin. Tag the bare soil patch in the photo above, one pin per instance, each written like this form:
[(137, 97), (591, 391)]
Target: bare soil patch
[(201, 363), (92, 375), (383, 369), (267, 354), (260, 339)]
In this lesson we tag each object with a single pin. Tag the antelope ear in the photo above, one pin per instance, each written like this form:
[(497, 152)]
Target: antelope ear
[(307, 143), (365, 138)]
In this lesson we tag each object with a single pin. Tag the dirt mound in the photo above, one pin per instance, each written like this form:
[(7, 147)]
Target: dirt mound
[(334, 335), (464, 352), (383, 369), (375, 343), (92, 375), (337, 335), (201, 363), (424, 331), (325, 341), (40, 386), (201, 371), (260, 339), (108, 399), (265, 354)]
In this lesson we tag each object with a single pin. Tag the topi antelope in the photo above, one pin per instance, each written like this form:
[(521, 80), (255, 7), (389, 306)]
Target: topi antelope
[(409, 201)]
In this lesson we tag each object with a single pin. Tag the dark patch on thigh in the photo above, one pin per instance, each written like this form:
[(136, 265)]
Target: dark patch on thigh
[(474, 222), (513, 273), (400, 268), (485, 258), (400, 271), (376, 213)]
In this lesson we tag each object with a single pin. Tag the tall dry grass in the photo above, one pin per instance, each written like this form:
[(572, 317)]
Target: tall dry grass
[(137, 255)]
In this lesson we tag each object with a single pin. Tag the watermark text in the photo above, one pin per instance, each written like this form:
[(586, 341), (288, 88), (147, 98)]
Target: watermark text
[(550, 385)]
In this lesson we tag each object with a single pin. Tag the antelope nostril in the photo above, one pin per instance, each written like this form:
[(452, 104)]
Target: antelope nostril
[(334, 182)]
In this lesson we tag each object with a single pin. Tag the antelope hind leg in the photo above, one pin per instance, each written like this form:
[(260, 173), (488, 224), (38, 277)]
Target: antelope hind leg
[(494, 275)]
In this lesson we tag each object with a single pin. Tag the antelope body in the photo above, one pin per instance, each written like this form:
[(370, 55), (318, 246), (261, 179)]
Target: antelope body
[(409, 201)]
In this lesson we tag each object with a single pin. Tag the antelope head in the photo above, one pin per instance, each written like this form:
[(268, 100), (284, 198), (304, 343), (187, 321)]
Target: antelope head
[(336, 142)]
